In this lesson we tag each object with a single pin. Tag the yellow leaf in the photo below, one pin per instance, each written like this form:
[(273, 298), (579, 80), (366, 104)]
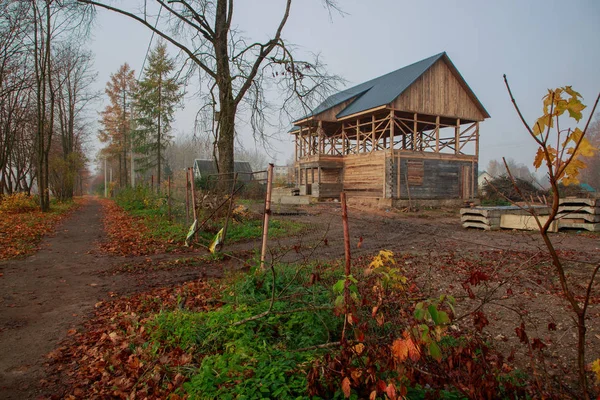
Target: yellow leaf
[(586, 149), (575, 107), (539, 158), (359, 348), (596, 369), (571, 92)]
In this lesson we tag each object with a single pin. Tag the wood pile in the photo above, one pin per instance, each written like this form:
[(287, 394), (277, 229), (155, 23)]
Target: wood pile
[(579, 213)]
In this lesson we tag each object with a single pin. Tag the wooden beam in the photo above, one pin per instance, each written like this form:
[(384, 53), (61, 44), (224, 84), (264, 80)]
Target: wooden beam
[(414, 138), (398, 186), (457, 137), (373, 142), (357, 138), (437, 134), (392, 133), (477, 140)]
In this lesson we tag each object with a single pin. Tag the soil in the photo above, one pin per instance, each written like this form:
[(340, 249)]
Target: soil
[(52, 292)]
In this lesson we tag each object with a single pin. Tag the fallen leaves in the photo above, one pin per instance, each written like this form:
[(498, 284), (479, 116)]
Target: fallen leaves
[(127, 235), (20, 233), (112, 357)]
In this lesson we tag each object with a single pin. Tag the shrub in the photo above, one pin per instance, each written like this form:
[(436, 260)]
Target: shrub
[(18, 203)]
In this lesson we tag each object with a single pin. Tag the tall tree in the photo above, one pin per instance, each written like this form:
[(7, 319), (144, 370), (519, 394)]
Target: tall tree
[(156, 98), (236, 71), (73, 76), (116, 119)]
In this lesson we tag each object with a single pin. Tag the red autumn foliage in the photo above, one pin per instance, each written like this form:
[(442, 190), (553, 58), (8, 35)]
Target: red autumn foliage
[(127, 235)]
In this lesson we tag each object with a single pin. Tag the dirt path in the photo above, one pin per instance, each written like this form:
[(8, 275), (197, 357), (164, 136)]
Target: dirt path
[(45, 295)]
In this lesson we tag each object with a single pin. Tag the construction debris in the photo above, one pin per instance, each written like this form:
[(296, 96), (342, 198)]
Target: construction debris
[(490, 218), (579, 213)]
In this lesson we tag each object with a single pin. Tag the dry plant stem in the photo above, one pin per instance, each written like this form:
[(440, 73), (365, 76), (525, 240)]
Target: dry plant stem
[(554, 176)]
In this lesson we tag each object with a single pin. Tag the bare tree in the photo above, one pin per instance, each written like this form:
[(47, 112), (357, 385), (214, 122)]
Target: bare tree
[(235, 70)]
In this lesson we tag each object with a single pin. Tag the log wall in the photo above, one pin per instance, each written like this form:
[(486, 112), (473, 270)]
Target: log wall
[(364, 174)]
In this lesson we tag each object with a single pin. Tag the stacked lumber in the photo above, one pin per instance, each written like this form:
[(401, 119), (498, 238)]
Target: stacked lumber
[(490, 218), (579, 213)]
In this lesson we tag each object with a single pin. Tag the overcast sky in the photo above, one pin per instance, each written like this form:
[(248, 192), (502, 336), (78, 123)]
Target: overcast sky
[(538, 44)]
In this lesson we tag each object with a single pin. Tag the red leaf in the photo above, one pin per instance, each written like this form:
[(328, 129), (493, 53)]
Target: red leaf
[(537, 344), (551, 326), (480, 321), (521, 334)]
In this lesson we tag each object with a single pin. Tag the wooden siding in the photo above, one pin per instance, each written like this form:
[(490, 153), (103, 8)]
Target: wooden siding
[(442, 179), (364, 173), (439, 92)]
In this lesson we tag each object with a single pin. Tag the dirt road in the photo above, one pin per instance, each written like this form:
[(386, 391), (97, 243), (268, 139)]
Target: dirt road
[(45, 295)]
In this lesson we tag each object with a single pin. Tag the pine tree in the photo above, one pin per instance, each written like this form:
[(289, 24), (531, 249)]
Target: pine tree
[(116, 118), (156, 98)]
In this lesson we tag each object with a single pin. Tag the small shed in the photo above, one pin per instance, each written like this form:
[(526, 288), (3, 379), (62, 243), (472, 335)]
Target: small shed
[(203, 169), (409, 134)]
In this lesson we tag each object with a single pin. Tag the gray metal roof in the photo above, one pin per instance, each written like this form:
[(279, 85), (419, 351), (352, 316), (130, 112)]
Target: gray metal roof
[(208, 167), (384, 89)]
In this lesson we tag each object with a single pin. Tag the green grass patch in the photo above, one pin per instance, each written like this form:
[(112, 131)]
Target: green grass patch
[(261, 358)]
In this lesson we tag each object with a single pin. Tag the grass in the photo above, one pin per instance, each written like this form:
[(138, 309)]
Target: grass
[(261, 358), (141, 202)]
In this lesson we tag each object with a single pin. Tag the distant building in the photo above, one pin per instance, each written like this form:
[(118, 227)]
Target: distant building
[(203, 169), (481, 179)]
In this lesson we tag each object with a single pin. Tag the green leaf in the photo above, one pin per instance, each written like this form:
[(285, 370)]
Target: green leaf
[(419, 314), (339, 286), (443, 318), (434, 351), (434, 314)]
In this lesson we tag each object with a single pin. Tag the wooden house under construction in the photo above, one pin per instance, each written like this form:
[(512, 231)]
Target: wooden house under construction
[(410, 134)]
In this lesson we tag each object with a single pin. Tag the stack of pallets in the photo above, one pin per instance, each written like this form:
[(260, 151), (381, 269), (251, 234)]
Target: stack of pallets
[(579, 213)]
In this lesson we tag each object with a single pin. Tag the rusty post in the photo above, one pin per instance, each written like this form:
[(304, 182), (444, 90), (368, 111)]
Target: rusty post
[(263, 251), (347, 270), (193, 189), (346, 233), (187, 198)]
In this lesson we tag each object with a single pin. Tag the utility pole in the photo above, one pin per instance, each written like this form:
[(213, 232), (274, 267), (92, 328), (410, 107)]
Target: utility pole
[(132, 170), (105, 180)]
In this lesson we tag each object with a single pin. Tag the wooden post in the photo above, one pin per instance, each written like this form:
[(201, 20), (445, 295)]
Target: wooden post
[(392, 131), (229, 210), (187, 197), (373, 143), (344, 145), (414, 142), (265, 235), (457, 137), (193, 189), (357, 137), (346, 233), (477, 140), (437, 134), (152, 183), (169, 197)]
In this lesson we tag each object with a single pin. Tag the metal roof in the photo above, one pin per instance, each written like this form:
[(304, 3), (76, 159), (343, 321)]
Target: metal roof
[(208, 167), (385, 89)]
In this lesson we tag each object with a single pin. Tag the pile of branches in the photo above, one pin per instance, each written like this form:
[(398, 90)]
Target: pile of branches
[(503, 188)]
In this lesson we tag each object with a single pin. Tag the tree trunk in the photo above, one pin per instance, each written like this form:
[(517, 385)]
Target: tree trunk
[(225, 142)]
